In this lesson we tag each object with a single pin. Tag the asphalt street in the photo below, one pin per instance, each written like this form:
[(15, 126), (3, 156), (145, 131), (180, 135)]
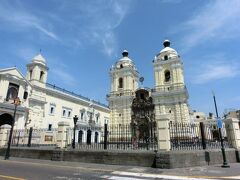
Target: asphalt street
[(33, 169)]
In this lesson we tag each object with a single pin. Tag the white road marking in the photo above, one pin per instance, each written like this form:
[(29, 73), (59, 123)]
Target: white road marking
[(144, 175), (121, 178), (232, 177)]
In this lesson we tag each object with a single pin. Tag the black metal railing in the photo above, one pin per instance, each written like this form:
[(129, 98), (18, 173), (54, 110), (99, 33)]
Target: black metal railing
[(74, 94), (113, 137), (34, 137), (190, 136)]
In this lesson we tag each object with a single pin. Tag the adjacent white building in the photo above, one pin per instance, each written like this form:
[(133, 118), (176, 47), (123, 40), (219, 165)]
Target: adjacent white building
[(44, 105)]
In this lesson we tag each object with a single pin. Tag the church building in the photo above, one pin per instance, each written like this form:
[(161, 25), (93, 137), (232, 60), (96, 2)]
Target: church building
[(168, 96)]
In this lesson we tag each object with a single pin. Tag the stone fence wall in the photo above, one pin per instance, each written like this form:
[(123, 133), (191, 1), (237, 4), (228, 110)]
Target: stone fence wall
[(170, 159)]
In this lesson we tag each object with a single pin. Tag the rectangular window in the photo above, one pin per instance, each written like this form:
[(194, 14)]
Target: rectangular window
[(52, 109), (49, 127), (69, 113), (97, 119), (81, 115), (64, 113)]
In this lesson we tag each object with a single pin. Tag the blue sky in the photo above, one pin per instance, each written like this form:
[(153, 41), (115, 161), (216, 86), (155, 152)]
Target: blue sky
[(81, 39)]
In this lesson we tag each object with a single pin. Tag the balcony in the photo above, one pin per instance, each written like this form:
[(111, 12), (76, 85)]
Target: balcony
[(171, 88), (121, 93)]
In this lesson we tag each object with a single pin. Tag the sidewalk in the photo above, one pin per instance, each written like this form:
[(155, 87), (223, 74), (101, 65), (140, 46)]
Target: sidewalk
[(207, 172)]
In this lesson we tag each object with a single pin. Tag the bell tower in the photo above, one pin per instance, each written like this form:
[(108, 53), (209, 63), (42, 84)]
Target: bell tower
[(124, 82), (37, 74), (37, 71), (170, 94)]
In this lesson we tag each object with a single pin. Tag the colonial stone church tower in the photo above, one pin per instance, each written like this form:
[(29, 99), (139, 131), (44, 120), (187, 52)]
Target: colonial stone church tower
[(37, 75), (124, 82), (170, 95), (37, 71)]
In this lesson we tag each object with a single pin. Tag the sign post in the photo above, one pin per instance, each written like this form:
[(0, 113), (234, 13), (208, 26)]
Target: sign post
[(219, 124)]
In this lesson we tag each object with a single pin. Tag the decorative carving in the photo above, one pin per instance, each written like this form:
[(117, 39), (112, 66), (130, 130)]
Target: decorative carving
[(143, 123)]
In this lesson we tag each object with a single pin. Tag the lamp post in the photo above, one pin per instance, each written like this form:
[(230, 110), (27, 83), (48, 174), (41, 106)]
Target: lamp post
[(16, 103), (225, 163), (75, 119), (105, 134)]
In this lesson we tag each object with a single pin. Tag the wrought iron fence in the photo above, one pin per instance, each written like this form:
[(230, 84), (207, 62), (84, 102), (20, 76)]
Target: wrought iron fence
[(113, 137), (34, 137), (190, 136), (183, 136)]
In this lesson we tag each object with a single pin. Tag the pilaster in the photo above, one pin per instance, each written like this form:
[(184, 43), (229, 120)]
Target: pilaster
[(4, 133), (61, 134), (233, 132), (163, 133)]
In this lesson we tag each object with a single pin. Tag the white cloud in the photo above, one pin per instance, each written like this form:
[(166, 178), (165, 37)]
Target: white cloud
[(102, 18), (216, 71), (217, 20), (78, 23), (20, 20)]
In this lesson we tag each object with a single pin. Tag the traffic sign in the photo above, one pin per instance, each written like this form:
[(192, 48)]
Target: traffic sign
[(219, 123)]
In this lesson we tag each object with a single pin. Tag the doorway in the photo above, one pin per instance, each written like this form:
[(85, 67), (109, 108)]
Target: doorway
[(89, 134)]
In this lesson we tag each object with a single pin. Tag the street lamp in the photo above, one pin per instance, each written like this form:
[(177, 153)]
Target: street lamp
[(225, 164), (16, 103), (75, 119), (105, 134)]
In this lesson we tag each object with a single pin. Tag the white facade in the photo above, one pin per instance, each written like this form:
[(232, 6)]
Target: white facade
[(124, 82), (11, 79), (169, 94), (46, 104)]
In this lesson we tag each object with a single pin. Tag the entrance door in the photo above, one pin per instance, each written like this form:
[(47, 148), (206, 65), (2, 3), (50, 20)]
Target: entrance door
[(89, 134), (96, 137), (80, 134)]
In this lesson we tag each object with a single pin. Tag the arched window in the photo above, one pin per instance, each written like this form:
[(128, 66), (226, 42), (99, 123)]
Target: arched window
[(120, 83), (165, 57), (167, 76), (89, 134), (80, 136), (12, 91), (121, 66), (41, 76)]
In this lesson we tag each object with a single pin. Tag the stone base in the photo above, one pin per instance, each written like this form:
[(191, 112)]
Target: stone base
[(164, 160), (179, 159)]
